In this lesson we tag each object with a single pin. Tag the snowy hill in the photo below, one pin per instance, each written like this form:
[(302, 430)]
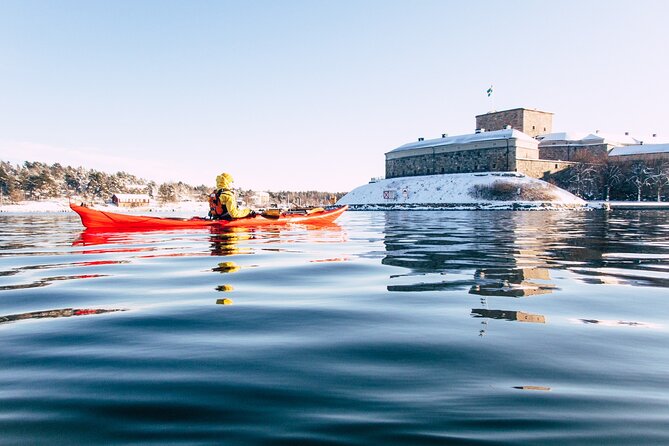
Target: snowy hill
[(499, 190)]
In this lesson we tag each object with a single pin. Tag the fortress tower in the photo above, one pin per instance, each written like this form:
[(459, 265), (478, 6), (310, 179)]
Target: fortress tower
[(530, 122)]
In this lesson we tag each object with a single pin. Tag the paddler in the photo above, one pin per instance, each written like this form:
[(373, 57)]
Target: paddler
[(222, 201)]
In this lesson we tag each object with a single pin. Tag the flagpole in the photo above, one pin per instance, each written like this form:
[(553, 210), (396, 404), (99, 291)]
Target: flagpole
[(492, 99)]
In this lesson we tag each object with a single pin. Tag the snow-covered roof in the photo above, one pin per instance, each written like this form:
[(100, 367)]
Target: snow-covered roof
[(464, 139), (562, 136), (587, 138), (610, 138), (126, 197), (639, 148)]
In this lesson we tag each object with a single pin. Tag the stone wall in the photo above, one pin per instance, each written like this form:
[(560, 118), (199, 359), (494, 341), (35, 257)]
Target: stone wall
[(541, 168), (482, 160), (530, 122), (650, 159), (571, 152), (487, 160), (499, 120), (536, 122)]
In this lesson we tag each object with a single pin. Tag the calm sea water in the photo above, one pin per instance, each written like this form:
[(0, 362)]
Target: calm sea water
[(398, 328)]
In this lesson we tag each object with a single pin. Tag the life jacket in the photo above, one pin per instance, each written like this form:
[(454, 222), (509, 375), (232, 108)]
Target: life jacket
[(217, 210)]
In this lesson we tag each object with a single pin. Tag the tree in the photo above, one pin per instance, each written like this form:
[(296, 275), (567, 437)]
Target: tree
[(167, 193), (151, 187), (639, 177), (97, 184), (5, 180), (610, 175), (36, 179), (582, 180), (659, 178)]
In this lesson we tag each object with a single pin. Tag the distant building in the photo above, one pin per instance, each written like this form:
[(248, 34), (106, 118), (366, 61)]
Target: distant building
[(259, 199), (530, 122), (507, 150), (648, 153), (585, 147), (517, 140), (131, 200)]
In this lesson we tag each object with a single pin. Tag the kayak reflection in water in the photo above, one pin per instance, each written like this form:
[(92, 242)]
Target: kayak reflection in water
[(224, 241), (222, 201), (64, 312)]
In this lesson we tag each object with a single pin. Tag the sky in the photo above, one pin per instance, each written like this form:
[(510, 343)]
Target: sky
[(310, 95)]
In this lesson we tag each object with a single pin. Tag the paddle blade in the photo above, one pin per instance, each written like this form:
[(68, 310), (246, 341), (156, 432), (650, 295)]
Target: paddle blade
[(272, 213)]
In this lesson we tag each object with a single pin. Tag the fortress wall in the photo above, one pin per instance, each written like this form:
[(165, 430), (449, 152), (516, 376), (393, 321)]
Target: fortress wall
[(570, 152), (541, 168), (478, 160), (650, 159)]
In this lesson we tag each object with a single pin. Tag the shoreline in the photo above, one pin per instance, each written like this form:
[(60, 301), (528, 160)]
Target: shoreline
[(63, 206), (193, 208)]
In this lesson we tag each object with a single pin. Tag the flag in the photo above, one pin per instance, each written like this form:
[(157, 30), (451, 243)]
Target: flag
[(489, 91)]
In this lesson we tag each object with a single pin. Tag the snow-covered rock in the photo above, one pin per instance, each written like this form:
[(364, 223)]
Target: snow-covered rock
[(494, 190)]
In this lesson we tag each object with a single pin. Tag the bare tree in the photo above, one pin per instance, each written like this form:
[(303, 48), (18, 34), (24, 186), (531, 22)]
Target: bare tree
[(659, 178), (611, 175), (582, 180), (639, 177)]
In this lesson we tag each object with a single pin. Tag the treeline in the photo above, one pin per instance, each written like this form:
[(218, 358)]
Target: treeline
[(297, 199), (41, 181), (636, 181)]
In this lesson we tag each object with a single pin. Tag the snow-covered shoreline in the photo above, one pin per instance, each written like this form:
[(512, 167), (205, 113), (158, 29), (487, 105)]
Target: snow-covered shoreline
[(429, 192), (62, 205)]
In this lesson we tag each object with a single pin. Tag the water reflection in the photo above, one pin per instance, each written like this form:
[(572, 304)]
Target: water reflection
[(506, 256), (609, 323), (52, 314), (213, 241), (519, 316), (512, 282), (518, 254), (48, 281), (225, 241), (226, 267), (514, 253)]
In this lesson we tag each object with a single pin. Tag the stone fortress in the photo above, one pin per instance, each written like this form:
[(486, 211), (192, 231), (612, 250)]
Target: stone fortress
[(517, 140)]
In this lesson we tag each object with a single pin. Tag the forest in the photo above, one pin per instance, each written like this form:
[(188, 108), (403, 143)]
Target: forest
[(36, 181), (631, 181)]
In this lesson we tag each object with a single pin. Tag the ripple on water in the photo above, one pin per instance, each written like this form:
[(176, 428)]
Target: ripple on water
[(388, 328)]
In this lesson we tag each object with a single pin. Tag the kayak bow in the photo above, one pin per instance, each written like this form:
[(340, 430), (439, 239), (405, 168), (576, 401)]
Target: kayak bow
[(93, 219)]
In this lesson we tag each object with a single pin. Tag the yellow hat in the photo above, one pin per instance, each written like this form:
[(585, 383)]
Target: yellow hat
[(224, 181)]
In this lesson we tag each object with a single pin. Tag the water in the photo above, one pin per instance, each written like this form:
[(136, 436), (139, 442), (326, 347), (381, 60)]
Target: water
[(393, 328)]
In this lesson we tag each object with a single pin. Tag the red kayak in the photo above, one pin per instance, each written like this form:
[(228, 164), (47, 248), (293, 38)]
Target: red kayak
[(93, 219)]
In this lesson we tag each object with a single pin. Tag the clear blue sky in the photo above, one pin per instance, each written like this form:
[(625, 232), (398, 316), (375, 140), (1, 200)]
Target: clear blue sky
[(310, 94)]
